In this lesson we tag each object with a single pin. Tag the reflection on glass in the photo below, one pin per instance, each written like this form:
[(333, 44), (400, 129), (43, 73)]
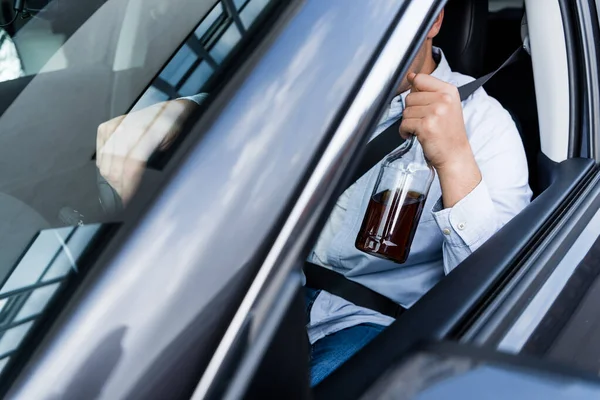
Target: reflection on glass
[(13, 337), (2, 304), (32, 283), (46, 261), (226, 43), (37, 301), (40, 254), (66, 260), (239, 3), (150, 97), (252, 10), (209, 21), (198, 78), (197, 60), (179, 65)]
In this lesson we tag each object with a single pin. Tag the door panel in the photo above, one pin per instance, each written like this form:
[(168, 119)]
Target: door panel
[(444, 312)]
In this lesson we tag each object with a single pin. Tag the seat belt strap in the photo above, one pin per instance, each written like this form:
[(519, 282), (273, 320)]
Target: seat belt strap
[(470, 88), (388, 140), (318, 277)]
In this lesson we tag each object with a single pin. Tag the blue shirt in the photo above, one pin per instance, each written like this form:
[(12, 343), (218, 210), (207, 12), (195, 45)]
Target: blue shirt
[(444, 237)]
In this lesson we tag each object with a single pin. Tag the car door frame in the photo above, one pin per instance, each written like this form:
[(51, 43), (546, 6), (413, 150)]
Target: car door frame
[(277, 288), (459, 299)]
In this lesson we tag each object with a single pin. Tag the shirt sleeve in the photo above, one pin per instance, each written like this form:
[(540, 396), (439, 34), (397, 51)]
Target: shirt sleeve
[(466, 225), (503, 192)]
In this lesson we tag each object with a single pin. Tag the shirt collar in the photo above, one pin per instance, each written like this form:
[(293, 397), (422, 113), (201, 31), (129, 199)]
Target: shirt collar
[(442, 71)]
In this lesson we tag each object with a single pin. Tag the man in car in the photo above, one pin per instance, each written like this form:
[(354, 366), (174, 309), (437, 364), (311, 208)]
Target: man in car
[(481, 183)]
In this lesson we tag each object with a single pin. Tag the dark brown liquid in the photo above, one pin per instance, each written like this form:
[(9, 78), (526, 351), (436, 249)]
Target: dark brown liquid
[(387, 231)]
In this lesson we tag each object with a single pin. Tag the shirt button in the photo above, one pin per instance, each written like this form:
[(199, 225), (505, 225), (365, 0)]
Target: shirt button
[(462, 226), (446, 231)]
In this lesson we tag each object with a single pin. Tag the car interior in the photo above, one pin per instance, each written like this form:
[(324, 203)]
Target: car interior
[(476, 37)]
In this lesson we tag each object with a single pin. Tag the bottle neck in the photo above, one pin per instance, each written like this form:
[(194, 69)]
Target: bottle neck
[(409, 157), (404, 148), (411, 151)]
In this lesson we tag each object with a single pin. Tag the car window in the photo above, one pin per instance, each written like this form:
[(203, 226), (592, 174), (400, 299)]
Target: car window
[(203, 53), (105, 59)]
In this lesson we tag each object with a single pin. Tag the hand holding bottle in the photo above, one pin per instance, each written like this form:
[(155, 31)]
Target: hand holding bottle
[(433, 114)]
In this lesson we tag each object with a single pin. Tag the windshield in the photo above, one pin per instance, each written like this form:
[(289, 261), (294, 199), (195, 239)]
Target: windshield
[(73, 74)]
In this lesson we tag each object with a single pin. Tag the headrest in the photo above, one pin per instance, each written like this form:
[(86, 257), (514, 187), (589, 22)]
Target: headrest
[(463, 35)]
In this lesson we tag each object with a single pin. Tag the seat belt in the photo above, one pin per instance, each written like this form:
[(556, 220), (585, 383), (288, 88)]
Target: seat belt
[(377, 149), (318, 277)]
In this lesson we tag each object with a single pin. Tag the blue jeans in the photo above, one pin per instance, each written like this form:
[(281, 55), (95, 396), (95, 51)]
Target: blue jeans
[(328, 353)]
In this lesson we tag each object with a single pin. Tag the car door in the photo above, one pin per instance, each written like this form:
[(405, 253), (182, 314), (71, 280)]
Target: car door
[(454, 309), (44, 260), (156, 288), (198, 290)]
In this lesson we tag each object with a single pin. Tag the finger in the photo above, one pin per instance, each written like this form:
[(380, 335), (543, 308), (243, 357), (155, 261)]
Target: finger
[(106, 129), (410, 78), (164, 120), (168, 140), (103, 162), (133, 170), (162, 128), (416, 112), (133, 128), (99, 155), (410, 127), (126, 137), (132, 174), (427, 83), (421, 99), (114, 174), (183, 110)]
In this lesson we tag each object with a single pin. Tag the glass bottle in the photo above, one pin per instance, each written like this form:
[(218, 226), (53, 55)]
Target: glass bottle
[(395, 207)]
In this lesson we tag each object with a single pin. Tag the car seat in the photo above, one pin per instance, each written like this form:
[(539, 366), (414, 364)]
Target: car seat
[(465, 41)]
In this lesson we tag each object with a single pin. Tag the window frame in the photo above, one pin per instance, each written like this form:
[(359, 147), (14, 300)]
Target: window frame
[(279, 276)]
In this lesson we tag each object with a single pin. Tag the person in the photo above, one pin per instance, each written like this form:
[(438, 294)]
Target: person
[(481, 183)]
